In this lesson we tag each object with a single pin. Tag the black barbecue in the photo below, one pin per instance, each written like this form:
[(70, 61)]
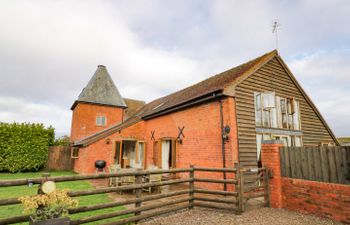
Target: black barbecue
[(100, 164)]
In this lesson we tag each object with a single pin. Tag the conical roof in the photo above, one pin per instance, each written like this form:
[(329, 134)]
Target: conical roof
[(101, 90)]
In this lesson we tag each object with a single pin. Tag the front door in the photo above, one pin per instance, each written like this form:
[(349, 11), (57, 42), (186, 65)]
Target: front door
[(166, 146)]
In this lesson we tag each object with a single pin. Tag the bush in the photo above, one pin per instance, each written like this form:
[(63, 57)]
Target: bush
[(24, 147), (62, 141)]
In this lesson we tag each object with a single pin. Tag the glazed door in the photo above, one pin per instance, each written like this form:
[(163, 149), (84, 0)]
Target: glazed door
[(165, 154)]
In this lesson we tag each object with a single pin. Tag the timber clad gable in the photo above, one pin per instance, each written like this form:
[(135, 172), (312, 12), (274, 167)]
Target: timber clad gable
[(273, 77)]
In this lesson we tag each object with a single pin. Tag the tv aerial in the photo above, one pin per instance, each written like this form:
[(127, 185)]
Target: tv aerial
[(276, 26)]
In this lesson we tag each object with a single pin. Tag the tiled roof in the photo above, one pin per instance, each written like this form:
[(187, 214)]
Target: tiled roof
[(133, 106), (101, 90), (216, 83)]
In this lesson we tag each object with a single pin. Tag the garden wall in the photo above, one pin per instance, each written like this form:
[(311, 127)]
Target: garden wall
[(320, 198)]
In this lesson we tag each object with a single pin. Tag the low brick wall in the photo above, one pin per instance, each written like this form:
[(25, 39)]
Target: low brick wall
[(319, 198)]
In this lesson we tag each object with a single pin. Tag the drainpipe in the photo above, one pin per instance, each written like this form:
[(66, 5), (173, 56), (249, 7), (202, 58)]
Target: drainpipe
[(222, 142)]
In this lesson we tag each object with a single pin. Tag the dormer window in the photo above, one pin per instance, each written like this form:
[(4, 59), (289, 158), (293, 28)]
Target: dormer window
[(101, 121)]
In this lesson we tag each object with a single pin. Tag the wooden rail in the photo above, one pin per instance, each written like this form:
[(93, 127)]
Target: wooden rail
[(18, 182), (232, 200)]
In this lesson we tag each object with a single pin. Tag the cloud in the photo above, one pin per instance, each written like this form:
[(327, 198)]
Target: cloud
[(49, 53), (325, 76), (19, 110), (50, 49)]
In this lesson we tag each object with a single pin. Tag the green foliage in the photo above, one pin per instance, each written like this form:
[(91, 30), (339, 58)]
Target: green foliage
[(62, 141), (24, 147)]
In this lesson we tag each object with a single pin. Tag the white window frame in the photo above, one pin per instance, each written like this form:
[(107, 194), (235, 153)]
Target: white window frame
[(74, 154), (101, 121)]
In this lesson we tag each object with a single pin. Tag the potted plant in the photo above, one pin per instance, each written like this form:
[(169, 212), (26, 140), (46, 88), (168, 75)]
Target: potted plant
[(51, 208)]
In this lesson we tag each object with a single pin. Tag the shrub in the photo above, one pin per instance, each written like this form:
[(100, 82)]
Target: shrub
[(48, 206), (24, 147), (62, 141)]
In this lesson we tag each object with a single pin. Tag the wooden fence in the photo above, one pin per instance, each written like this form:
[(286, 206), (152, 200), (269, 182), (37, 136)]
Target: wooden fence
[(325, 164), (187, 198), (59, 158)]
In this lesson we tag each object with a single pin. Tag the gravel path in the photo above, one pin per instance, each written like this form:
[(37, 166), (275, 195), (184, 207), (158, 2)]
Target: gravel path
[(258, 216)]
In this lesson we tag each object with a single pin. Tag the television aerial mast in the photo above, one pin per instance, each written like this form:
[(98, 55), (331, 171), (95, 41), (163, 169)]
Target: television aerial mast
[(276, 26)]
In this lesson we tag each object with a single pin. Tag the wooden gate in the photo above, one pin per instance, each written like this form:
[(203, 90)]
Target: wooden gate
[(256, 186)]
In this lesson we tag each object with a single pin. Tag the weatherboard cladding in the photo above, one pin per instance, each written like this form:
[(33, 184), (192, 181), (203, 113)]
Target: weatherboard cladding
[(273, 76), (101, 90)]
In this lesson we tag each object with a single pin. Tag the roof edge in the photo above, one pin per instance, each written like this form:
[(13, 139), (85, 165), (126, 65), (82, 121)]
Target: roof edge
[(192, 102), (76, 102), (104, 133), (265, 59), (308, 99), (108, 131)]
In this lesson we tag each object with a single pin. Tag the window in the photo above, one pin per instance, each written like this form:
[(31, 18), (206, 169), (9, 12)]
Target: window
[(259, 139), (140, 154), (258, 113), (75, 153), (325, 144), (265, 109), (100, 120), (296, 141), (117, 154), (285, 115), (296, 116), (289, 140)]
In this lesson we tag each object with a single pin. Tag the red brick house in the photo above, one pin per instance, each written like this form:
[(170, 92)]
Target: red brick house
[(216, 122)]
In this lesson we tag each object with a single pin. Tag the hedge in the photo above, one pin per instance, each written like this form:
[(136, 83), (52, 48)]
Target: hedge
[(24, 147)]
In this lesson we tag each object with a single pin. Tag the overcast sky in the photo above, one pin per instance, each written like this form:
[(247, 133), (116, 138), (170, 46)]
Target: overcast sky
[(50, 49)]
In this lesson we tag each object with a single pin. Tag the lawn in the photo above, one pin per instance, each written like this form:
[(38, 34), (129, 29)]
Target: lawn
[(17, 191)]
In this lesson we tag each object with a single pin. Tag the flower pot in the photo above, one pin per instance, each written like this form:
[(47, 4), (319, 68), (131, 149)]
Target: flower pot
[(56, 221)]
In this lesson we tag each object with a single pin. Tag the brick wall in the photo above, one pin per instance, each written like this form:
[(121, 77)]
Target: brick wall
[(201, 145), (84, 119), (319, 198), (101, 150)]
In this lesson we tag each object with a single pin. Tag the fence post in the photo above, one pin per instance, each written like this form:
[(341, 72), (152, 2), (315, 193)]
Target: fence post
[(191, 187), (266, 173), (240, 191), (138, 192)]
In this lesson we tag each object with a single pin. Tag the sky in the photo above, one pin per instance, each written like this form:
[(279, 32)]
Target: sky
[(50, 49)]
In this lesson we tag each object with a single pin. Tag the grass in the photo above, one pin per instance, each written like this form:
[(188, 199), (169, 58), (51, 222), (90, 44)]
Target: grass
[(343, 139), (17, 191)]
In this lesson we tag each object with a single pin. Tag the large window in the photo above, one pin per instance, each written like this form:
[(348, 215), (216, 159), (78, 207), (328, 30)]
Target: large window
[(276, 112), (265, 109)]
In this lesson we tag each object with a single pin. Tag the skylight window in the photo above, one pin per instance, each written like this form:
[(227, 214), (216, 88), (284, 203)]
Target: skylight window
[(158, 106)]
